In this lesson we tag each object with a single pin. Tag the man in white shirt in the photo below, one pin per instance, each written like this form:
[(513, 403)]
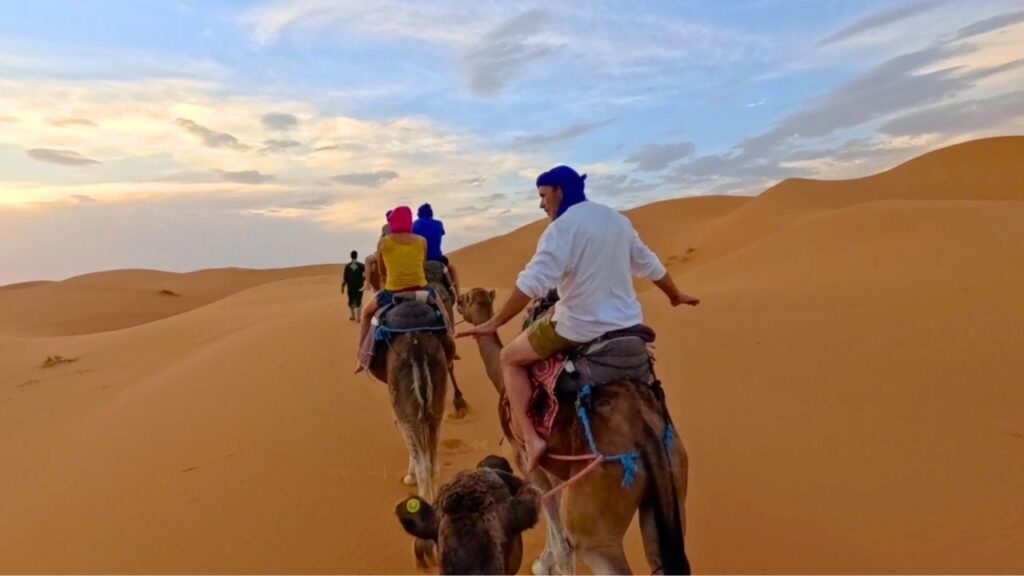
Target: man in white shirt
[(590, 252)]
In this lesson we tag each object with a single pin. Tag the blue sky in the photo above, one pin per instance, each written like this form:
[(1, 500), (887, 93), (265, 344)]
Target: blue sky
[(180, 134)]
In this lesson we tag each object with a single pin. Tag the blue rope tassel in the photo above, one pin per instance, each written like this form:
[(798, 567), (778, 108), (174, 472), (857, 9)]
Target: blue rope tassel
[(670, 434), (628, 460)]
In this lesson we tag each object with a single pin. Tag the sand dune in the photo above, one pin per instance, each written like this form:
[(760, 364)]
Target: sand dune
[(849, 390), (123, 298)]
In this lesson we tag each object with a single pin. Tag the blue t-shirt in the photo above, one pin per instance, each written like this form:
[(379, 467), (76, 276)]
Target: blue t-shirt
[(432, 230)]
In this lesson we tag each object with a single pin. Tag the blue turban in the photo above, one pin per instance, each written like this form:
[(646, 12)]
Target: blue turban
[(570, 183), (425, 211)]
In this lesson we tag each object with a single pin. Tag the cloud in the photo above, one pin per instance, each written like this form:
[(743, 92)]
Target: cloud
[(503, 53), (62, 157), (366, 179), (617, 187), (893, 86), (437, 22), (856, 157), (492, 199), (279, 121), (209, 137), (568, 133), (312, 203), (656, 157), (469, 210), (880, 19), (64, 122), (8, 120), (959, 117), (277, 146), (990, 24), (246, 177), (475, 182), (83, 198)]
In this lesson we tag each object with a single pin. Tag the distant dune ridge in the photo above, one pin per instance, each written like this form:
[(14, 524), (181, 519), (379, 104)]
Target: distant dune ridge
[(850, 391)]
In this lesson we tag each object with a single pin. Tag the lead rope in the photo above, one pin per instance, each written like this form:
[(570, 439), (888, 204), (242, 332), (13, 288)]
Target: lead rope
[(627, 459)]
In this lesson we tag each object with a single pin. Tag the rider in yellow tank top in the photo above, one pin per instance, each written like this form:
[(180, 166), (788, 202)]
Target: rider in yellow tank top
[(404, 264)]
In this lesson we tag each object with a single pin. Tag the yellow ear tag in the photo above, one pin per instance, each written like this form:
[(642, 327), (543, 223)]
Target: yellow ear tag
[(412, 506)]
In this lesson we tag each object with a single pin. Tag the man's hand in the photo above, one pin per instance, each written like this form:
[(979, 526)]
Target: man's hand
[(680, 298), (675, 297), (515, 304), (485, 329)]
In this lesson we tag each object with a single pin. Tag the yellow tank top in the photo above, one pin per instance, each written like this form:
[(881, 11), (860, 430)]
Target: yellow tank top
[(404, 264)]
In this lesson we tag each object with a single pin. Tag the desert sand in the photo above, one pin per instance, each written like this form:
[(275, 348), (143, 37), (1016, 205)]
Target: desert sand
[(851, 391)]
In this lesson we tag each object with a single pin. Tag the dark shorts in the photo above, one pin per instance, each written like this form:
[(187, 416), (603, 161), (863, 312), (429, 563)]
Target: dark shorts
[(355, 299)]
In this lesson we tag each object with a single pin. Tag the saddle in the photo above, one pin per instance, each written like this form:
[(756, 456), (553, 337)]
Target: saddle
[(439, 279), (622, 355), (406, 312), (409, 311), (619, 355)]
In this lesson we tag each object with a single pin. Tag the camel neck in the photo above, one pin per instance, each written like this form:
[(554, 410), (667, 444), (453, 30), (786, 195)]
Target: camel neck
[(490, 352)]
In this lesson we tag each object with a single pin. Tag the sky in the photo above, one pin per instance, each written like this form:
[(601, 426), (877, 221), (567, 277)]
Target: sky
[(185, 134)]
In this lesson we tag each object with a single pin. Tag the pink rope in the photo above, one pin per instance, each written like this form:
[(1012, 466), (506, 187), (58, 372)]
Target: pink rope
[(598, 460)]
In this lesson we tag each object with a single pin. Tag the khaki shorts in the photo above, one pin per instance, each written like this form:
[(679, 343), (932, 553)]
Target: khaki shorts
[(545, 341)]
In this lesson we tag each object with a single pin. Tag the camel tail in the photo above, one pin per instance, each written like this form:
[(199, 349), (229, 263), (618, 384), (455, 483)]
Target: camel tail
[(422, 385), (661, 488)]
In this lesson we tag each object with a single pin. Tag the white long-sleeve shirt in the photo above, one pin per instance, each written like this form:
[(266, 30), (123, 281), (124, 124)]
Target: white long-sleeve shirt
[(591, 254)]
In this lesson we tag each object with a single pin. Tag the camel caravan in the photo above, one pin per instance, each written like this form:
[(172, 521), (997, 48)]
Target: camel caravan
[(579, 400)]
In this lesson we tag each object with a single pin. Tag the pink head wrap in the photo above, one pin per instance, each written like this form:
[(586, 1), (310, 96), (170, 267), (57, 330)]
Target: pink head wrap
[(400, 220)]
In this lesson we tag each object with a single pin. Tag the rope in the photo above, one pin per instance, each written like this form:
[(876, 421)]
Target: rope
[(382, 332), (628, 460)]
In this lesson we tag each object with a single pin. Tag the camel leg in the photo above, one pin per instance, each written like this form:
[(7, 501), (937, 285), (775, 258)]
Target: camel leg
[(424, 550), (424, 460), (421, 464), (597, 512), (460, 408), (607, 559), (557, 557), (410, 475)]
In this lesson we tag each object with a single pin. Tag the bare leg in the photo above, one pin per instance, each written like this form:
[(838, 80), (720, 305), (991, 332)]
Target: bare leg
[(364, 329), (514, 359)]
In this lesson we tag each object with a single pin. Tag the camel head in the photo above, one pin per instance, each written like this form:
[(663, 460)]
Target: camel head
[(478, 520), (477, 305)]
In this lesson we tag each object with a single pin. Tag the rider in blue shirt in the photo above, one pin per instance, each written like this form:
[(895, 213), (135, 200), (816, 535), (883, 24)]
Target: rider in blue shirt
[(430, 229)]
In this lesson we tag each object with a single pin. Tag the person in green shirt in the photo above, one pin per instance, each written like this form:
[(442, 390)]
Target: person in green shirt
[(352, 282)]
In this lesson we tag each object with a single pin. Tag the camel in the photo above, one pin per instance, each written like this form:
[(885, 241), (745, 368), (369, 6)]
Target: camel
[(594, 512), (416, 366), (478, 521)]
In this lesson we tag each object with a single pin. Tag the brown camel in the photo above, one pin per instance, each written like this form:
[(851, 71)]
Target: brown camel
[(594, 512), (479, 519), (416, 368)]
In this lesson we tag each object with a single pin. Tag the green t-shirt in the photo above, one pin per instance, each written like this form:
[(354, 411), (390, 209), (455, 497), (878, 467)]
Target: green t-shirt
[(355, 276)]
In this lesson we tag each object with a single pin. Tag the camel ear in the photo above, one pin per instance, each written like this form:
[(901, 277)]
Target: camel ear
[(493, 294), (498, 463), (524, 509), (418, 518)]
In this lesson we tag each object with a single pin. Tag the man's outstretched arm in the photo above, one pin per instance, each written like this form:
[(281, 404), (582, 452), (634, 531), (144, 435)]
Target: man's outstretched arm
[(646, 264), (515, 304), (675, 297)]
